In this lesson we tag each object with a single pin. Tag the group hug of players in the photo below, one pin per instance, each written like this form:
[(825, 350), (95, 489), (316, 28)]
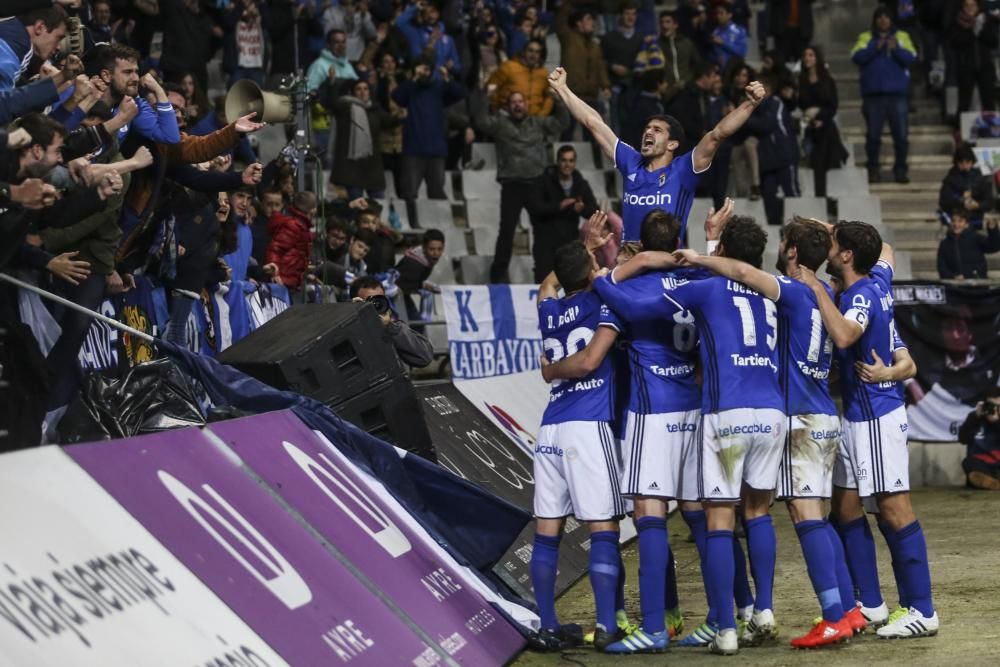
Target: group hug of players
[(704, 379)]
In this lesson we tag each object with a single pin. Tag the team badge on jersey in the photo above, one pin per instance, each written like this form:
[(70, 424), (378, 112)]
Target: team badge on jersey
[(663, 178)]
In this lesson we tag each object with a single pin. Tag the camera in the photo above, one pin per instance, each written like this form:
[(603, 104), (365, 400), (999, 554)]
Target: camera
[(381, 303)]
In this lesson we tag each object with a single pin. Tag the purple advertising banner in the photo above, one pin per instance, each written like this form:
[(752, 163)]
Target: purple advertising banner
[(320, 484), (195, 498)]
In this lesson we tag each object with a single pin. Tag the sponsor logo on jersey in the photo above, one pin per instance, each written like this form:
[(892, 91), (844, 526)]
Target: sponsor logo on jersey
[(631, 178), (682, 428), (662, 179), (824, 435), (812, 371), (548, 449), (740, 288), (753, 360), (681, 370), (744, 429), (657, 199)]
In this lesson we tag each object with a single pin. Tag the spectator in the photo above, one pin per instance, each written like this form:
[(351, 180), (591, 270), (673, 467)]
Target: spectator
[(413, 348), (290, 18), (357, 158), (331, 269), (692, 19), (489, 55), (425, 144), (195, 100), (884, 55), (582, 58), (392, 134), (100, 22), (778, 151), (981, 434), (560, 197), (522, 155), (973, 38), (354, 265), (291, 239), (729, 39), (745, 165), (962, 252), (649, 102), (271, 203), (966, 188), (118, 68), (620, 48), (332, 62), (790, 22), (416, 267), (680, 55), (382, 253), (421, 24), (238, 232), (353, 19), (690, 105), (526, 74), (818, 101), (188, 35), (247, 41), (37, 33)]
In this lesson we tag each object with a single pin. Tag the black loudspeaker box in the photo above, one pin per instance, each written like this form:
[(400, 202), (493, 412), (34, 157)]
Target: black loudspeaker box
[(392, 412)]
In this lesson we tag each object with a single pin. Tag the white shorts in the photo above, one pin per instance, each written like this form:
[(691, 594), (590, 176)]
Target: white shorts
[(577, 472), (875, 456), (740, 445), (811, 446), (654, 452)]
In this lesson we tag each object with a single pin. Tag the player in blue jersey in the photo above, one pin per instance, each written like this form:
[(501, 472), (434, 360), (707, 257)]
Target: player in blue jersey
[(576, 460), (661, 424), (653, 177), (874, 462), (743, 430), (812, 428)]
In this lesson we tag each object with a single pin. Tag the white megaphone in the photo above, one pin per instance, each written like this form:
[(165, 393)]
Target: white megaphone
[(246, 97)]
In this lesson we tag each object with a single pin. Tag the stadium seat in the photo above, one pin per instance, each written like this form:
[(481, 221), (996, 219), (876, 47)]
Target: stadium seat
[(751, 208), (455, 244), (903, 270), (597, 181), (400, 207), (485, 239), (435, 213), (846, 182), (480, 184), (696, 223), (486, 152), (475, 269), (806, 207), (866, 208), (553, 51), (483, 213), (444, 271), (522, 270)]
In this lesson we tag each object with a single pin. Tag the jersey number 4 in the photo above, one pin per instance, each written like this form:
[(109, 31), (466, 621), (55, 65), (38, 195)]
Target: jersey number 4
[(750, 326)]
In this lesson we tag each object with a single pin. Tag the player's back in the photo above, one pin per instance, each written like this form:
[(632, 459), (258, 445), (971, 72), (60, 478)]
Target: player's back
[(869, 302), (567, 325), (805, 351), (662, 352), (738, 332)]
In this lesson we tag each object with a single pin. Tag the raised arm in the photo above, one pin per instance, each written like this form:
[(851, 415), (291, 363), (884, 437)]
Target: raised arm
[(727, 127), (549, 289), (584, 362), (888, 255), (648, 260), (752, 277), (584, 113)]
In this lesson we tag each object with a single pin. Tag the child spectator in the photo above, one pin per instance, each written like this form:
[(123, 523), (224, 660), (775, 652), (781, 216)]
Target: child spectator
[(291, 240)]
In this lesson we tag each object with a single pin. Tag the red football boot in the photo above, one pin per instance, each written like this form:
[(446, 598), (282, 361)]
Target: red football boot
[(824, 633)]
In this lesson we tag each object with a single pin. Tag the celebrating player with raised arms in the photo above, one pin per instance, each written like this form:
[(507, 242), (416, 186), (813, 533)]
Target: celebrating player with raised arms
[(653, 177)]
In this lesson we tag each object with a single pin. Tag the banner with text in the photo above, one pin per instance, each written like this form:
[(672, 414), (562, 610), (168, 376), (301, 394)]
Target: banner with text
[(84, 583), (952, 332)]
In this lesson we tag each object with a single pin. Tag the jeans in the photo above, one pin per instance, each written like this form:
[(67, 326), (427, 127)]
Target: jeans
[(354, 193), (877, 109), (180, 311), (514, 197), (787, 179), (63, 359)]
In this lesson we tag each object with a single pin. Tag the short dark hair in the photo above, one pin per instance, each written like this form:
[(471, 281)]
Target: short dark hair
[(366, 236), (42, 128), (335, 223), (964, 152), (365, 212), (331, 33), (52, 17), (565, 148), (175, 88), (660, 231), (365, 282), (811, 241), (743, 239), (432, 235), (673, 126), (109, 54), (672, 13), (579, 15), (862, 239), (959, 210), (573, 265)]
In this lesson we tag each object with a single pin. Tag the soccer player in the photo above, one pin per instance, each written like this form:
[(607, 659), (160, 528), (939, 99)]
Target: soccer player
[(743, 430), (576, 461), (812, 431), (661, 424), (653, 178), (875, 457)]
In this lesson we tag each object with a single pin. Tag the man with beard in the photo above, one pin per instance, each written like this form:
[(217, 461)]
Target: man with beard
[(652, 177), (526, 74), (118, 68)]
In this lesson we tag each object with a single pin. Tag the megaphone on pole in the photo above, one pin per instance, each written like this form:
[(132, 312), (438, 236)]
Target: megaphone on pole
[(246, 97)]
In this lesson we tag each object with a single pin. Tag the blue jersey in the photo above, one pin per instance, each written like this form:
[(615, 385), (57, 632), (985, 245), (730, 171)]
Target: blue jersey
[(567, 326), (661, 352), (868, 303), (737, 332), (671, 189), (805, 351)]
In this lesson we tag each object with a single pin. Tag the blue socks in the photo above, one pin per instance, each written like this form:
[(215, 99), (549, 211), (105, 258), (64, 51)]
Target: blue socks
[(819, 557), (911, 553), (890, 539), (741, 585), (620, 591), (859, 549), (844, 581), (698, 525), (720, 572), (670, 594), (544, 563), (652, 571), (604, 575), (763, 546)]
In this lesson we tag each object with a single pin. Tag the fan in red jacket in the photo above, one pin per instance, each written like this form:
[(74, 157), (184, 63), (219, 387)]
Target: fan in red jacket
[(291, 239)]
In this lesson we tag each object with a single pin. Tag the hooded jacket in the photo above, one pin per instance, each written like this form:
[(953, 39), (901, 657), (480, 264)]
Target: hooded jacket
[(965, 254), (884, 71), (291, 241)]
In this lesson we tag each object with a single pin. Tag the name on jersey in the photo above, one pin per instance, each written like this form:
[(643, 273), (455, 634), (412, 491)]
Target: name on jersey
[(743, 429), (753, 360), (740, 288), (812, 371), (569, 316), (658, 199), (683, 370)]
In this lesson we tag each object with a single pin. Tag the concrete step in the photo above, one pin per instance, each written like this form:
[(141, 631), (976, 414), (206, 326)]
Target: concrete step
[(920, 144), (849, 116), (922, 130), (906, 233)]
